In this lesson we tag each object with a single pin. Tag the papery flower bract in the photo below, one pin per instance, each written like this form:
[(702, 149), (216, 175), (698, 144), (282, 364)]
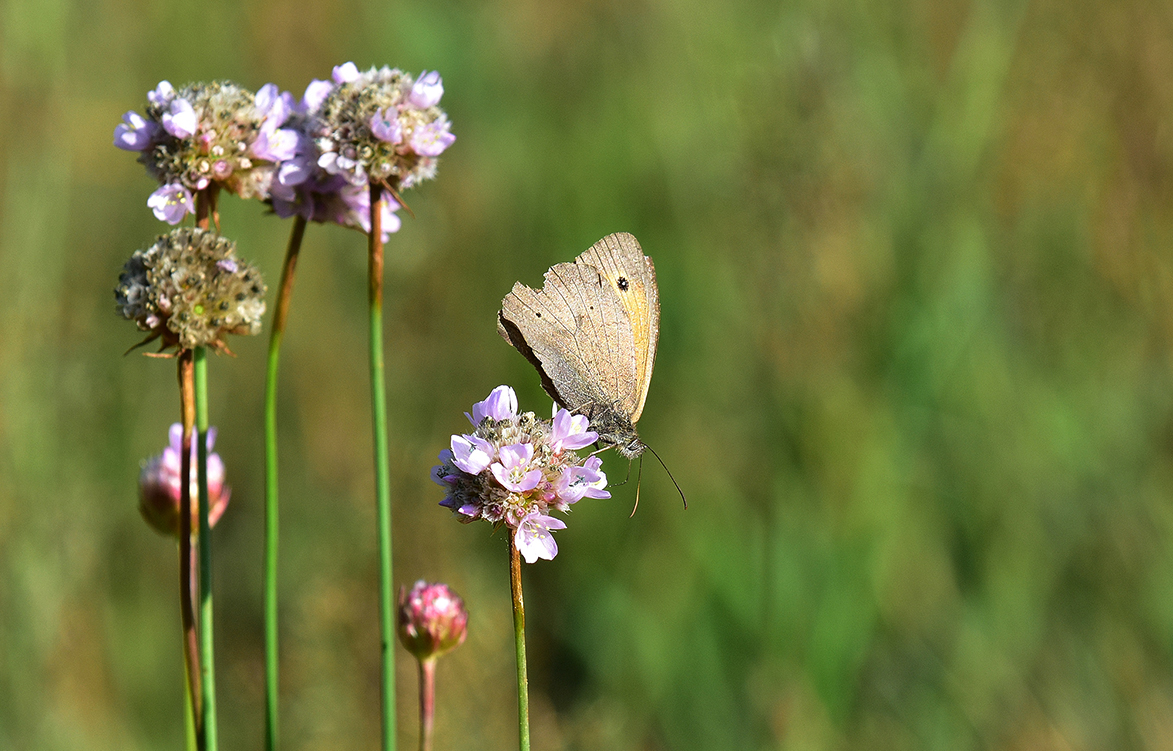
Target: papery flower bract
[(160, 485), (432, 620), (189, 289), (515, 468)]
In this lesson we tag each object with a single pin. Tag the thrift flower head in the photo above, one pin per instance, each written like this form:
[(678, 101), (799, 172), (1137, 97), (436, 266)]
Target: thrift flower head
[(380, 126), (159, 485), (189, 289), (300, 186), (432, 620), (514, 469), (205, 133)]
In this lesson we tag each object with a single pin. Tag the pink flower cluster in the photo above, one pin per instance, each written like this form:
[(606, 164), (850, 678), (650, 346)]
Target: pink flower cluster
[(315, 158), (432, 620), (159, 485), (205, 133), (513, 469), (358, 129)]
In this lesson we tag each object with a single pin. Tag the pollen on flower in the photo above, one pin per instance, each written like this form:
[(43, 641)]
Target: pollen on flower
[(514, 469), (188, 289)]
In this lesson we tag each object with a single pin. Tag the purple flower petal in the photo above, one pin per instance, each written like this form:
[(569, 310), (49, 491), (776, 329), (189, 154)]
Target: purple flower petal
[(162, 95), (427, 90), (171, 203), (385, 125), (533, 538), (273, 105), (500, 405), (315, 94), (180, 120), (511, 471), (432, 139), (570, 432), (275, 145), (346, 73), (471, 454), (135, 133)]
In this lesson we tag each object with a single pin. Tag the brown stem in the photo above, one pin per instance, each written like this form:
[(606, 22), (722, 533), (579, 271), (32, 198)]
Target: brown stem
[(206, 201), (187, 571), (375, 247), (427, 701), (287, 273)]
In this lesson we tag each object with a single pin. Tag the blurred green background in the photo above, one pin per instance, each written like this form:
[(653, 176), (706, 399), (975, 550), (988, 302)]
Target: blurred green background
[(914, 376)]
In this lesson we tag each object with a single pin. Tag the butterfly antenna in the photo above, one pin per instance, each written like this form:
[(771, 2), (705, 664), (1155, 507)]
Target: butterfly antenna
[(670, 477), (638, 481)]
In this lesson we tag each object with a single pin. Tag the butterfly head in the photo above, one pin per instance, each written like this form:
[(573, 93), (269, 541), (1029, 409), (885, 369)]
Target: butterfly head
[(615, 429)]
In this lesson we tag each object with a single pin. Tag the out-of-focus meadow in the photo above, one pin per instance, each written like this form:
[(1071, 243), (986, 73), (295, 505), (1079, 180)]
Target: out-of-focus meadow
[(914, 375)]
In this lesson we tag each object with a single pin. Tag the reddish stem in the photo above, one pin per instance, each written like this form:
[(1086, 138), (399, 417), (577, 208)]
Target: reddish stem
[(427, 702), (187, 571)]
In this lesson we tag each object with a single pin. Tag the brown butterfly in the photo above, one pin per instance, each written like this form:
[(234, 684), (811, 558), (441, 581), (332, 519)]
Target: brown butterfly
[(591, 333)]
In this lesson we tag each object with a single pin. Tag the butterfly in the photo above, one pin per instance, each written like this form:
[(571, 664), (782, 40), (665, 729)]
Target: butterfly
[(591, 332)]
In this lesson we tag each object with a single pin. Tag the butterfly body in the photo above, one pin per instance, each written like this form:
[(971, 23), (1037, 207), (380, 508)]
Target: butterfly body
[(591, 333)]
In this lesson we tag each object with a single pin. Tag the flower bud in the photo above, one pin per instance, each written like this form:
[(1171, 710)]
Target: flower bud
[(432, 620), (159, 486)]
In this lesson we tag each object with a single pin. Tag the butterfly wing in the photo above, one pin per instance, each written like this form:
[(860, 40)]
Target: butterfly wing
[(577, 334), (632, 277)]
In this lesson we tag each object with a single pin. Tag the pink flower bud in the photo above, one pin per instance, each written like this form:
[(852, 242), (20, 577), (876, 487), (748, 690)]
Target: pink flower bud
[(432, 620), (159, 486)]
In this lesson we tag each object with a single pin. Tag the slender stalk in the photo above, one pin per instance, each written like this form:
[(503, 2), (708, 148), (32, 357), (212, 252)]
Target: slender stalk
[(189, 730), (271, 506), (382, 469), (207, 658), (206, 207), (187, 581), (519, 643), (427, 701)]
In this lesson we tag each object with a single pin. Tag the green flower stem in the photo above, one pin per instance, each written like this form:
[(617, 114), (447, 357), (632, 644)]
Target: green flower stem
[(519, 643), (271, 517), (427, 702), (189, 731), (207, 659), (382, 469), (187, 581)]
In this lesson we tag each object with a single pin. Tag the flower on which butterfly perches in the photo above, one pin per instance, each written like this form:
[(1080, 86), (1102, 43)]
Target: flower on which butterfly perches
[(208, 133), (514, 469)]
